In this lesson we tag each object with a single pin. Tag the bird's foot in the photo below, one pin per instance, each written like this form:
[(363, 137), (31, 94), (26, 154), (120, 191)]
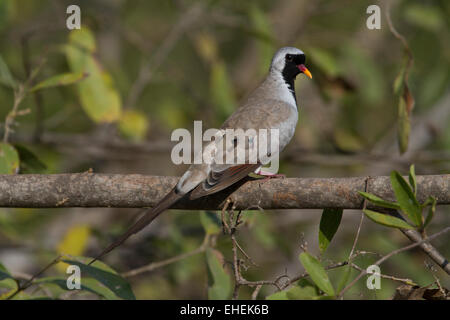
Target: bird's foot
[(265, 175)]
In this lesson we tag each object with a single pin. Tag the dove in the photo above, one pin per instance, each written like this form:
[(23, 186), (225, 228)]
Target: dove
[(272, 106)]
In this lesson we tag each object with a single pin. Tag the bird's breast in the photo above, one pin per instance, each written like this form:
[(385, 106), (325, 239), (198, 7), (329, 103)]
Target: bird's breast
[(287, 129)]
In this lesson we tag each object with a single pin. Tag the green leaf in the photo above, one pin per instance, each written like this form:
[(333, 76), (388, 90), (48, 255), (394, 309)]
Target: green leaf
[(317, 273), (298, 293), (25, 296), (98, 97), (4, 273), (9, 159), (206, 46), (281, 295), (378, 201), (404, 126), (412, 179), (398, 82), (29, 162), (6, 77), (60, 80), (84, 39), (303, 290), (104, 274), (387, 220), (400, 78), (133, 125), (73, 243), (431, 201), (53, 290), (210, 222), (344, 278), (221, 281), (406, 198), (7, 282), (329, 223), (87, 284)]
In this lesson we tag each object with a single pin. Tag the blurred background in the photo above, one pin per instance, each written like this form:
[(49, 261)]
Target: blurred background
[(155, 66)]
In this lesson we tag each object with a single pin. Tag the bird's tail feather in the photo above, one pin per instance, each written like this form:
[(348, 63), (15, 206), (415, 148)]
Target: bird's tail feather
[(148, 217)]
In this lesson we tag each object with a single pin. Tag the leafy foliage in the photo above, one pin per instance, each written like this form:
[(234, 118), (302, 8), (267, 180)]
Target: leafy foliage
[(9, 159), (329, 223), (71, 118), (73, 243), (221, 283), (97, 94), (133, 125), (210, 222), (301, 290), (104, 276), (387, 220), (29, 162), (6, 77), (59, 80), (8, 284), (317, 273), (407, 203)]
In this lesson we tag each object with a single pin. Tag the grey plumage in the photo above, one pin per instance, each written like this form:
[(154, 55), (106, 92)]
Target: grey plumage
[(270, 106)]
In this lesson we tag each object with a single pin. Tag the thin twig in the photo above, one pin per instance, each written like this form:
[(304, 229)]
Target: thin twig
[(256, 291), (36, 95), (225, 228), (147, 71), (429, 250), (380, 261), (405, 281), (155, 265), (236, 269), (239, 279), (306, 274), (366, 189), (402, 39), (30, 281), (19, 95)]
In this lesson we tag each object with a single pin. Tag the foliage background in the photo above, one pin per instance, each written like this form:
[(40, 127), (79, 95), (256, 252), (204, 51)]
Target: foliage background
[(198, 59)]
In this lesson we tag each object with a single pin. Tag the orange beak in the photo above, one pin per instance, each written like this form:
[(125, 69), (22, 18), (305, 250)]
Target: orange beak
[(305, 70)]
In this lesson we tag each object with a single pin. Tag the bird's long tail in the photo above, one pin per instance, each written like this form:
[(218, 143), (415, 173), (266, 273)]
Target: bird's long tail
[(148, 217)]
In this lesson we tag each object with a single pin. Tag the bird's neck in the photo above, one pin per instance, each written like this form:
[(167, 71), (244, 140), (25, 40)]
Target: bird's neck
[(285, 89), (291, 87)]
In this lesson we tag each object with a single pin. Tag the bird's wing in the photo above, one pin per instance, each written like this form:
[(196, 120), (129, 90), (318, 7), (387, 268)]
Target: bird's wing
[(232, 164), (219, 180)]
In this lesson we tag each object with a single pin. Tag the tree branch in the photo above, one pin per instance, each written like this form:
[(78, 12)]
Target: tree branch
[(428, 249), (380, 261), (133, 191)]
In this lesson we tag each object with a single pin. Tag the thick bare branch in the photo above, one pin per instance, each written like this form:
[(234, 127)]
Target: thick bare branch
[(132, 191)]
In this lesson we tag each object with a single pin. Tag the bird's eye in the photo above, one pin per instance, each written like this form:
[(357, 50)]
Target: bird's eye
[(289, 57)]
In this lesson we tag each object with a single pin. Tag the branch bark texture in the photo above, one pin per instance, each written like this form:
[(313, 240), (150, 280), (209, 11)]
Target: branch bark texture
[(133, 191)]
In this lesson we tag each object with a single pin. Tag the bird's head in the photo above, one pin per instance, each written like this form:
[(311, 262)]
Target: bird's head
[(290, 62)]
